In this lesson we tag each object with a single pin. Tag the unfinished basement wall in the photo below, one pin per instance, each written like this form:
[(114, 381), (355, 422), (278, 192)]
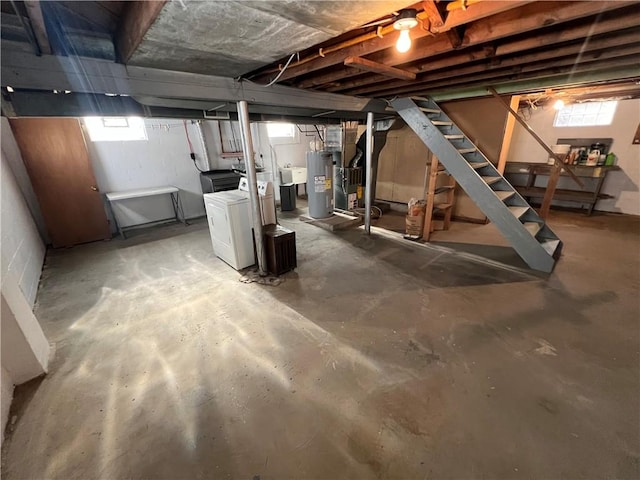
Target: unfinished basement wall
[(163, 159), (22, 248), (623, 184), (25, 350)]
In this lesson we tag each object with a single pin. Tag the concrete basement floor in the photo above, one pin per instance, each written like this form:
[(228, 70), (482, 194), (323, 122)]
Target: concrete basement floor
[(375, 359)]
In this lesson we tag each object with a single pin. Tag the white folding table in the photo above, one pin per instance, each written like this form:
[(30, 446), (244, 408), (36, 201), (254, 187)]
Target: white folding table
[(174, 192)]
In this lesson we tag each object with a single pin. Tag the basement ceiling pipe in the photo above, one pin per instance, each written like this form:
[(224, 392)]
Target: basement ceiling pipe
[(203, 144), (250, 166)]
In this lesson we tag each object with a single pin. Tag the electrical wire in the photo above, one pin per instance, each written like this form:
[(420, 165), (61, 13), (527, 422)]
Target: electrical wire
[(277, 77), (192, 154)]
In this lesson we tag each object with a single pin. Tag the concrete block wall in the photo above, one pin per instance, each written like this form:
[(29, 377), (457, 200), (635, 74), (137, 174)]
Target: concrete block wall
[(25, 350), (23, 249)]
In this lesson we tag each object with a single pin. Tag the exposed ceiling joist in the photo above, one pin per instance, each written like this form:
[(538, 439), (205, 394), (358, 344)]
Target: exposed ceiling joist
[(549, 13), (597, 48), (373, 45), (531, 73), (369, 66), (137, 19), (37, 23)]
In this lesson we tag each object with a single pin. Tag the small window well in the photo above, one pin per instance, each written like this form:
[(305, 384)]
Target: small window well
[(115, 129), (588, 114), (281, 130)]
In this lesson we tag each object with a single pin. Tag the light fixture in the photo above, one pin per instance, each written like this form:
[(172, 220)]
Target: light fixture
[(558, 105), (9, 89), (405, 21)]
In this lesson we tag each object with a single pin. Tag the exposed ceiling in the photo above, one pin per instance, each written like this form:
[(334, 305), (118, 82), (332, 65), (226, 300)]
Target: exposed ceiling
[(460, 52), (346, 47)]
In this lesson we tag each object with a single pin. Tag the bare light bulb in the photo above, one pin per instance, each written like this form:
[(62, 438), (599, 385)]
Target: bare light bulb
[(559, 105), (404, 41)]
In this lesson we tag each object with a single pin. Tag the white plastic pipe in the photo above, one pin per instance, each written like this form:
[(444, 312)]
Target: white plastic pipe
[(254, 199), (368, 174)]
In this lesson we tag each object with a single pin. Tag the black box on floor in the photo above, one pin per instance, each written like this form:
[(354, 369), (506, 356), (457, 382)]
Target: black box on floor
[(281, 249), (288, 197)]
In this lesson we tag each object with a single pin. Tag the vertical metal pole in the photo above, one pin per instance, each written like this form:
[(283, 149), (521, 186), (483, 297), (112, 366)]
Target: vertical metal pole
[(250, 167), (368, 174)]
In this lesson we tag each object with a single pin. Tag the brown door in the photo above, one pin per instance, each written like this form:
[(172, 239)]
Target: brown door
[(56, 158)]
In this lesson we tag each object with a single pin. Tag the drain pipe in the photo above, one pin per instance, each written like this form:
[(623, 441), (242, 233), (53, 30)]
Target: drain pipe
[(368, 174), (250, 167), (203, 144)]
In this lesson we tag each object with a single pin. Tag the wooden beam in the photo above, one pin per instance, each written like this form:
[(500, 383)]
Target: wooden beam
[(386, 42), (425, 48), (477, 11), (558, 160), (553, 13), (369, 66), (554, 177), (586, 31), (136, 21), (34, 10), (566, 56), (508, 134), (596, 69), (436, 21), (610, 42)]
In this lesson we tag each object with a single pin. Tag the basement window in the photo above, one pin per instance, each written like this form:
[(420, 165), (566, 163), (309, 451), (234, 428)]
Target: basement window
[(115, 129), (281, 130), (588, 114)]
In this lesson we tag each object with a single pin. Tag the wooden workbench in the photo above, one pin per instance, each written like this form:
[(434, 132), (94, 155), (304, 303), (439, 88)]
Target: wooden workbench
[(594, 178)]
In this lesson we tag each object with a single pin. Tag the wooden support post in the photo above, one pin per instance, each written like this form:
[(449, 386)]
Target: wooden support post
[(431, 188), (508, 134), (558, 160), (550, 191)]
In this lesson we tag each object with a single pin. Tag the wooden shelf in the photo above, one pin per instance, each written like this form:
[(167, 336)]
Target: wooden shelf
[(560, 194)]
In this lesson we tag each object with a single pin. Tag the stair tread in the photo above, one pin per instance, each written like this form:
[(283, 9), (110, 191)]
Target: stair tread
[(430, 110), (518, 211), (441, 123), (533, 227), (504, 194), (477, 165), (467, 150), (454, 136), (490, 180), (550, 246)]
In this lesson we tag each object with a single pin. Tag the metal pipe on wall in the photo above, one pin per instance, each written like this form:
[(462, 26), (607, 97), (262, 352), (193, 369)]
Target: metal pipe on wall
[(254, 199), (203, 144), (368, 174)]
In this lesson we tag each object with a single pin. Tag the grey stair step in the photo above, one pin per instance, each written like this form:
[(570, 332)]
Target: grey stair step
[(504, 194), (533, 227), (467, 150), (518, 211), (470, 168), (550, 246), (490, 180), (477, 165)]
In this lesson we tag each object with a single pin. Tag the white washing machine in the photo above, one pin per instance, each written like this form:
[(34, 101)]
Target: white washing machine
[(229, 217), (267, 202)]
